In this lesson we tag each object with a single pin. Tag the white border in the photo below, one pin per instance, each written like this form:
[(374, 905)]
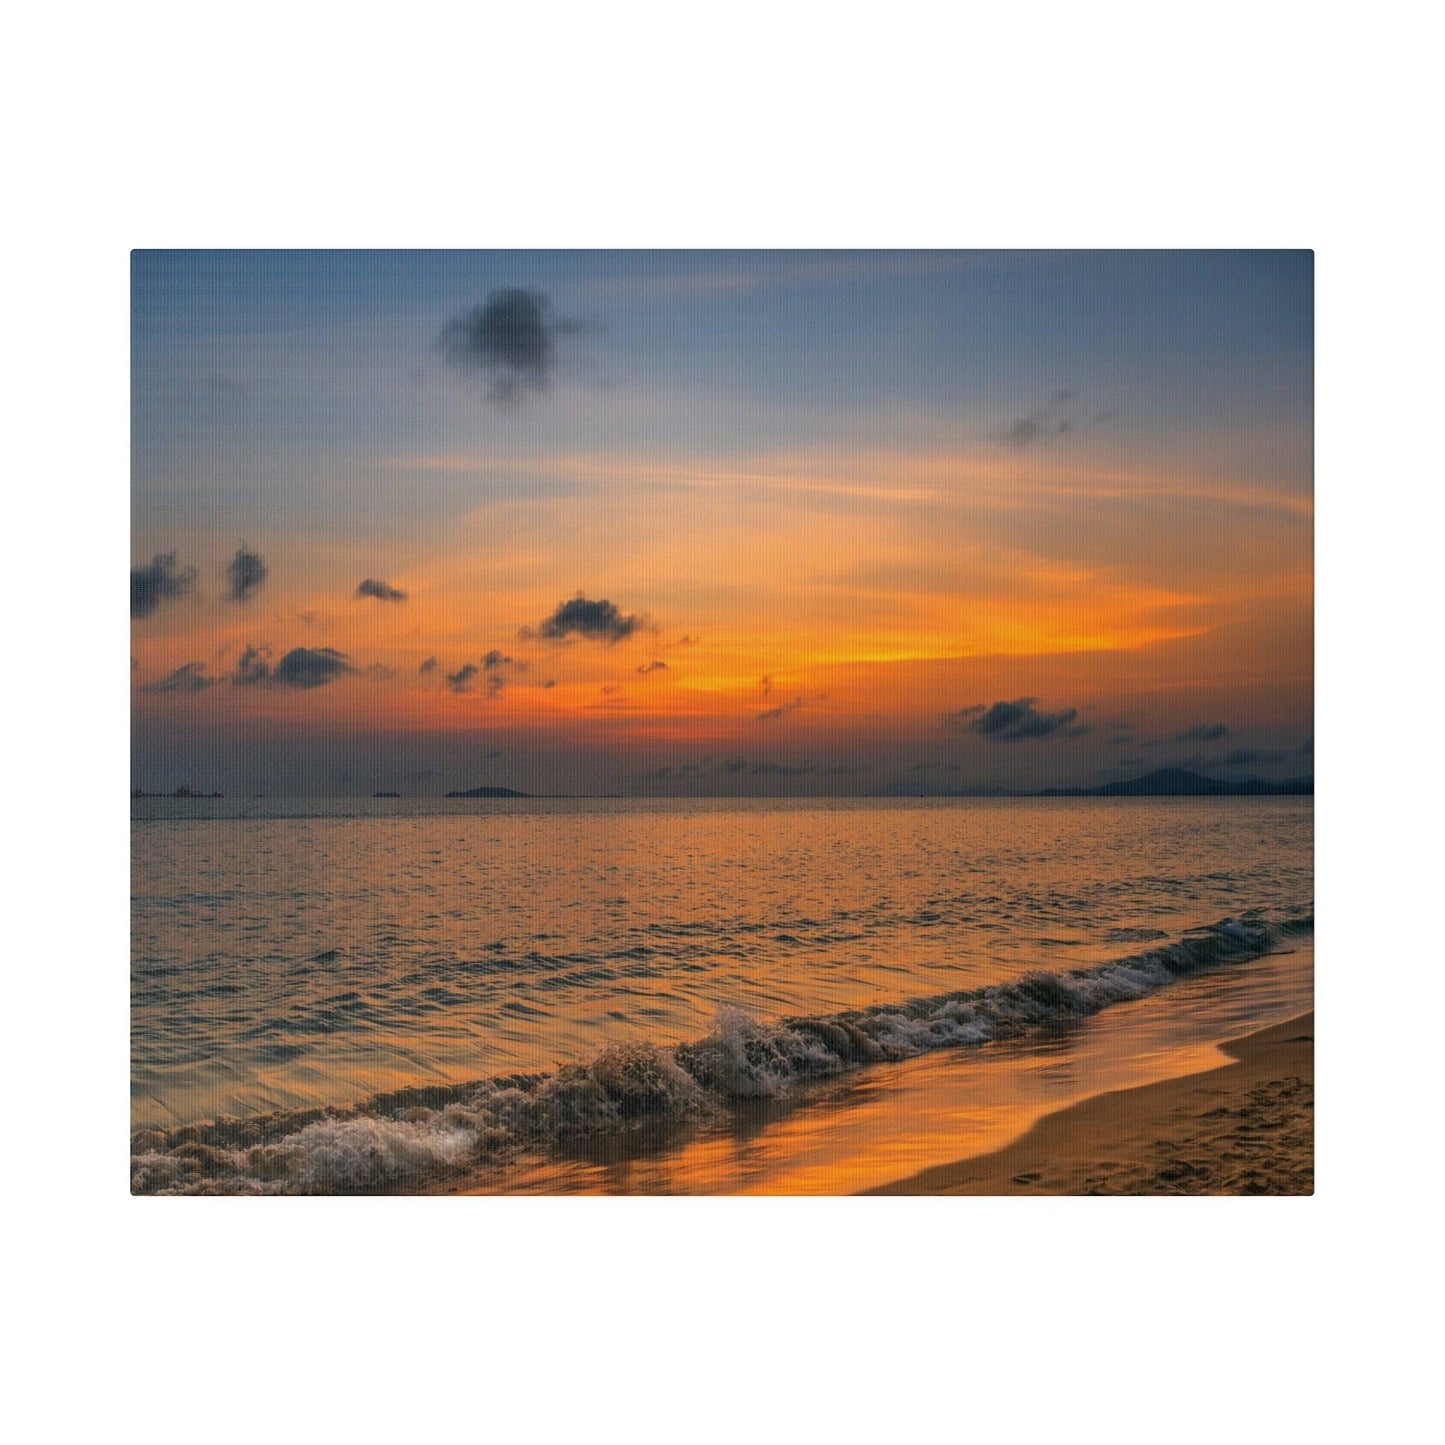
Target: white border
[(640, 125)]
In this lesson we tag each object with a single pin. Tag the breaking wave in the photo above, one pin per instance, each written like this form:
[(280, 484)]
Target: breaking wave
[(404, 1138)]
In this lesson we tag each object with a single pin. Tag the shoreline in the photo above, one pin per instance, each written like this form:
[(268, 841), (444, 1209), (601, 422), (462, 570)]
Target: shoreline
[(1243, 1128)]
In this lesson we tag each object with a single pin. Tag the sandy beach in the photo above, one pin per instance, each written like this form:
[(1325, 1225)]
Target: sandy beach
[(1246, 1127)]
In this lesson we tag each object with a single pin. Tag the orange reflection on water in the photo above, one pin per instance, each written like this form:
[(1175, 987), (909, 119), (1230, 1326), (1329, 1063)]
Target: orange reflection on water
[(889, 1122)]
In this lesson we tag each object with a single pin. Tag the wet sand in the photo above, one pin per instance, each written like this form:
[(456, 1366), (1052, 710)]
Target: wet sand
[(1244, 1128)]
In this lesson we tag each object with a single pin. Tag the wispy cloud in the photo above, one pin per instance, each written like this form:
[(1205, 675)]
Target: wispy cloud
[(1057, 417), (1203, 733), (461, 680), (189, 678)]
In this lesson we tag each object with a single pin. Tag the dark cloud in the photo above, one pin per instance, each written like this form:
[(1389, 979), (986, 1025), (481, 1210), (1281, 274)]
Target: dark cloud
[(253, 669), (1243, 757), (245, 572), (461, 679), (190, 677), (510, 339), (302, 668), (1203, 733), (710, 767), (597, 621), (161, 581), (307, 667), (382, 591), (1057, 417), (647, 667), (1017, 721), (500, 670), (784, 708), (429, 666)]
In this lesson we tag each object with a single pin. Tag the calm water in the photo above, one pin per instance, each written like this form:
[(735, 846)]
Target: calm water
[(289, 955)]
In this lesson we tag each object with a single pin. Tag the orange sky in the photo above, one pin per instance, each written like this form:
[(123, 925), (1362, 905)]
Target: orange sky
[(799, 589)]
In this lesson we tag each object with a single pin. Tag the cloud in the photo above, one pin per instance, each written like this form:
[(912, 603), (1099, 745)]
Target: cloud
[(598, 621), (1243, 757), (429, 666), (461, 679), (1203, 733), (1012, 722), (500, 670), (647, 667), (307, 667), (766, 683), (253, 669), (382, 591), (190, 677), (784, 708), (510, 339), (782, 770), (381, 672), (1057, 417), (161, 581), (245, 572), (302, 668)]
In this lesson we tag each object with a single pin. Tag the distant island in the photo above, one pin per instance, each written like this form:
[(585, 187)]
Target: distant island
[(386, 795), (1180, 783), (179, 793), (487, 793)]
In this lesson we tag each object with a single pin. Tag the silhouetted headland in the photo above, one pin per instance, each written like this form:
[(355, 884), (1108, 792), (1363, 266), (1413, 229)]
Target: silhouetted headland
[(1180, 783)]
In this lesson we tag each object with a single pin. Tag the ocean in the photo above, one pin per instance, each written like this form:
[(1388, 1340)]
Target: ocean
[(678, 996)]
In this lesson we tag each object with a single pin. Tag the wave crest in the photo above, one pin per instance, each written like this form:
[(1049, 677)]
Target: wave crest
[(415, 1134)]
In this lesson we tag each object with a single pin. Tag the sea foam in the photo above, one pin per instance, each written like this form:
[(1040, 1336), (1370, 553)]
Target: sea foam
[(406, 1137)]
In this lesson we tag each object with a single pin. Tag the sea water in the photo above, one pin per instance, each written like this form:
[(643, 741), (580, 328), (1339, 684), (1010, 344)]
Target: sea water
[(362, 994)]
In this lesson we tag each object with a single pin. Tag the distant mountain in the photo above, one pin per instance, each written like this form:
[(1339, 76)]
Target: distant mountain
[(1180, 783), (488, 793)]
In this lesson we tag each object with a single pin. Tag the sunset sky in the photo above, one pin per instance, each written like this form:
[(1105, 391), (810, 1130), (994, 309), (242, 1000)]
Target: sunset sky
[(719, 523)]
